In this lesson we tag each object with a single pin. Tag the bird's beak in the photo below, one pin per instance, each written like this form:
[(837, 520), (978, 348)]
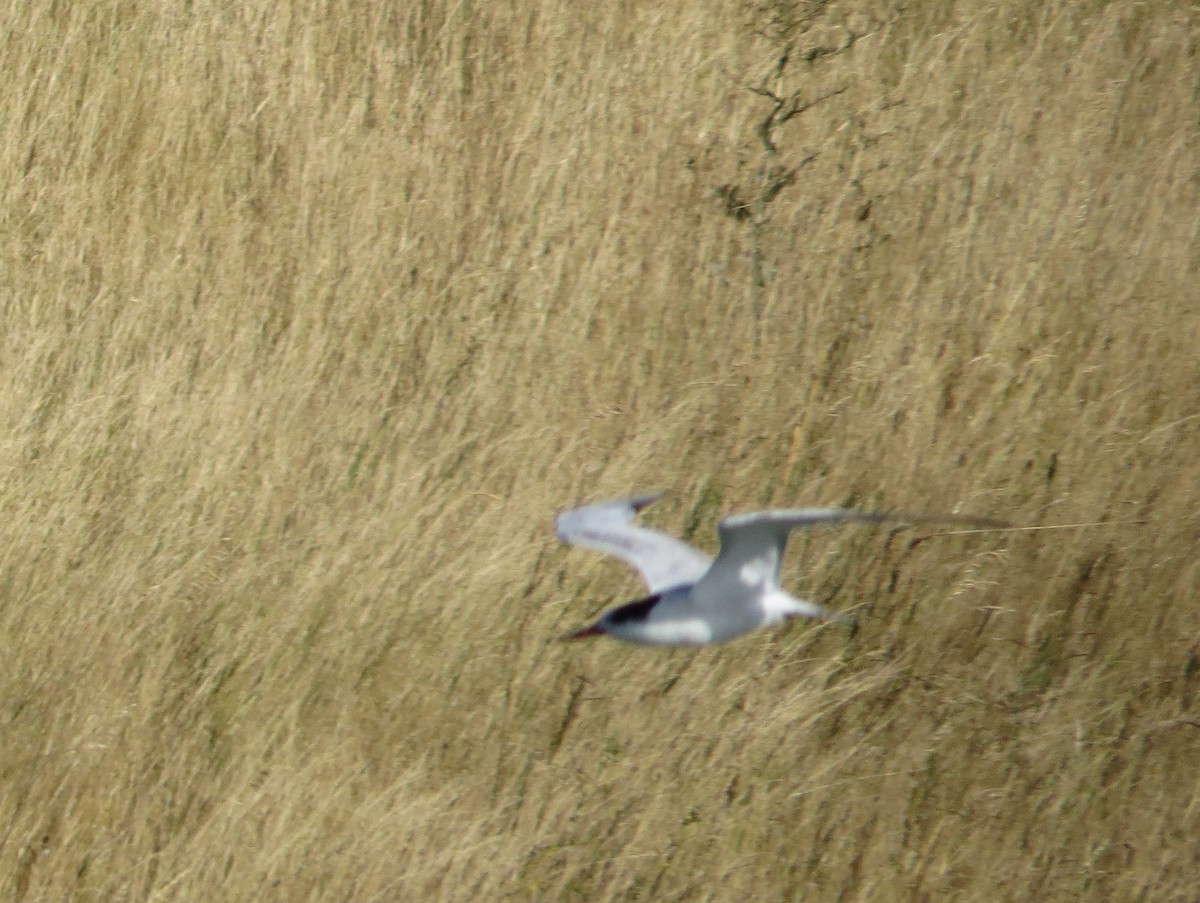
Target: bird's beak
[(593, 630)]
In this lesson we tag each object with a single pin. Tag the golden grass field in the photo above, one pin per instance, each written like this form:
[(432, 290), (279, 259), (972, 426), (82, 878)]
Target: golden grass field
[(314, 315)]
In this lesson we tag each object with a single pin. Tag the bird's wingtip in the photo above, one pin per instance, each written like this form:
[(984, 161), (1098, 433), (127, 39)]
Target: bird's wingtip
[(567, 522), (638, 502)]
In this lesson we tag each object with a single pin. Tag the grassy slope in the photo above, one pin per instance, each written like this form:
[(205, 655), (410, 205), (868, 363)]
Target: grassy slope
[(313, 319)]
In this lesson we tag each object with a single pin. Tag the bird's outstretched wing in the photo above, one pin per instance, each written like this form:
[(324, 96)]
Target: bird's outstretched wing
[(663, 561), (752, 545)]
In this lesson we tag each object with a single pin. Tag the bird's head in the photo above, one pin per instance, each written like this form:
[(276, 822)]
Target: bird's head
[(617, 621)]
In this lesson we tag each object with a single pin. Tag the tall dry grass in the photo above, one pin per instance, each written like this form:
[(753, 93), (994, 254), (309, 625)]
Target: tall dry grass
[(314, 315)]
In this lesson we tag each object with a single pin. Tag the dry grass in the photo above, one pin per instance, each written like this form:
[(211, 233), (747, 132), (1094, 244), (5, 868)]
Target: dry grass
[(314, 316)]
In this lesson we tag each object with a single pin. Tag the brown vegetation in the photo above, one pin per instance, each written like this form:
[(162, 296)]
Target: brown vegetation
[(315, 314)]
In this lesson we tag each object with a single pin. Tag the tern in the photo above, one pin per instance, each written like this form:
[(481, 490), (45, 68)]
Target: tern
[(695, 600)]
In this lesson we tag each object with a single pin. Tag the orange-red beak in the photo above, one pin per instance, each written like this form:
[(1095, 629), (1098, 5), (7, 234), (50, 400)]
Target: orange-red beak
[(593, 630)]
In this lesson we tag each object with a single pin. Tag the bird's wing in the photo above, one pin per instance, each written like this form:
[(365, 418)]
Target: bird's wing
[(752, 545), (662, 560)]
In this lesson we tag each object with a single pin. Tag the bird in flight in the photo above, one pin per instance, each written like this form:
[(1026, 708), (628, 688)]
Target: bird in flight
[(695, 600)]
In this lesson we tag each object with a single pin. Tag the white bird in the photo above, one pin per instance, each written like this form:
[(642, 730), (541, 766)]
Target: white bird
[(694, 599)]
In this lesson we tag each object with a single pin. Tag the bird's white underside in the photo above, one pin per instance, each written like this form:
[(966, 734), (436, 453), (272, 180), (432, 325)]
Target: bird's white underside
[(674, 632)]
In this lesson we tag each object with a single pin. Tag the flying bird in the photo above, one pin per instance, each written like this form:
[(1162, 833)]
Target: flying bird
[(694, 599)]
